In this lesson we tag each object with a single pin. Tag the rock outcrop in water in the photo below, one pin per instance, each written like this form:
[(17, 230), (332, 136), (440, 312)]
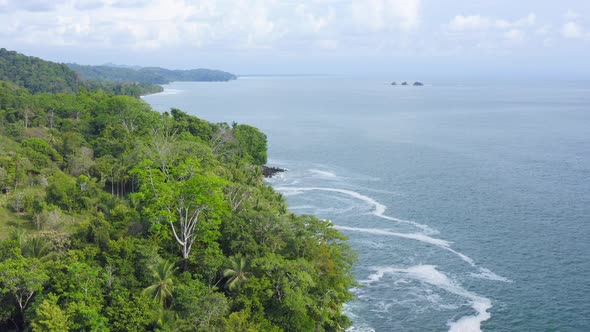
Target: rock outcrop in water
[(269, 172), (406, 83)]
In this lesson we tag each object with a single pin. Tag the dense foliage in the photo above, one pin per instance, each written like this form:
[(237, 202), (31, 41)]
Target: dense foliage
[(114, 217), (38, 75), (154, 75)]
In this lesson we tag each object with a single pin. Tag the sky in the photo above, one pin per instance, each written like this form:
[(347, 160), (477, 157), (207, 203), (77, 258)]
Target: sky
[(428, 38)]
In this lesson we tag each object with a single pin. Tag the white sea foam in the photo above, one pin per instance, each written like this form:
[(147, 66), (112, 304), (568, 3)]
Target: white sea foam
[(168, 92), (301, 207), (378, 208), (444, 244), (424, 273), (289, 192), (430, 275), (413, 236), (489, 275), (360, 329), (324, 174)]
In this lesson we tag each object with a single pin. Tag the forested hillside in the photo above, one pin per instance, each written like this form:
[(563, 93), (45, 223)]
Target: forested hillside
[(38, 75), (114, 217), (154, 75)]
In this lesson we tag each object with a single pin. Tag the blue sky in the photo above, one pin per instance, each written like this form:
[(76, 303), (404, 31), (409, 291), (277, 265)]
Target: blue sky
[(436, 38)]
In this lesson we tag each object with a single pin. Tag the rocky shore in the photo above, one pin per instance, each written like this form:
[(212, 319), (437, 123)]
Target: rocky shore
[(269, 172)]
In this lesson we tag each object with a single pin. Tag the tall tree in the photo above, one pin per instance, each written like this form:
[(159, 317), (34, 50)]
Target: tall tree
[(237, 273), (50, 317), (22, 278), (161, 290), (187, 198)]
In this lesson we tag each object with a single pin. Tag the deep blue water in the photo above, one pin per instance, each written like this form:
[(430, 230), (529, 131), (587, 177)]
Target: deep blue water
[(501, 172)]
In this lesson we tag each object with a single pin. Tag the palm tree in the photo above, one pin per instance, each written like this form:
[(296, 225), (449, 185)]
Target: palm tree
[(161, 290), (36, 247), (18, 235), (237, 274)]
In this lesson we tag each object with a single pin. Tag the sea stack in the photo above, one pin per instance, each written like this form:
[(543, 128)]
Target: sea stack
[(405, 83), (418, 84)]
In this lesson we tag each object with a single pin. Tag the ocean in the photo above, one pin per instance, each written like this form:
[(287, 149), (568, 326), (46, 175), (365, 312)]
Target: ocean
[(468, 204)]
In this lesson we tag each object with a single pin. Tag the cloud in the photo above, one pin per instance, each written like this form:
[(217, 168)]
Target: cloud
[(471, 22), (282, 28), (312, 21), (514, 35), (572, 30), (130, 3), (88, 4), (529, 20), (543, 30), (30, 5), (571, 15), (328, 44), (379, 15), (462, 23)]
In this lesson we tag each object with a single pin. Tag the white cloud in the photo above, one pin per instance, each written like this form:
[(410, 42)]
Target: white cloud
[(355, 27), (29, 5), (477, 22), (88, 4), (379, 15), (572, 30), (147, 24), (328, 44), (543, 30), (571, 15), (529, 20), (471, 22), (514, 35), (312, 21)]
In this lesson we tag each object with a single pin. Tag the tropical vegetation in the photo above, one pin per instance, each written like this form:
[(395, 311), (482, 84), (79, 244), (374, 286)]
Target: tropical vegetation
[(114, 217), (153, 75)]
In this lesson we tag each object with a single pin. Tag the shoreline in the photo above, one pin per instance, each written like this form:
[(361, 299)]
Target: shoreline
[(269, 171)]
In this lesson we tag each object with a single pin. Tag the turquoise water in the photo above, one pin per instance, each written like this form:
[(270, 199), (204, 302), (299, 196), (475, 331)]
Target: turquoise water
[(468, 205)]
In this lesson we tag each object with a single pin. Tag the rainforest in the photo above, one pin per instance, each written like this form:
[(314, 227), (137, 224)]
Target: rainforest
[(115, 217)]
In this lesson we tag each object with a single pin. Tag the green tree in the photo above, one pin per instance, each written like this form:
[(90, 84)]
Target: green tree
[(237, 274), (21, 278), (185, 197), (36, 247), (129, 311), (163, 286), (49, 317), (251, 142)]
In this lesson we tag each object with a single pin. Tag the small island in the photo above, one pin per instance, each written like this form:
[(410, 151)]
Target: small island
[(406, 83)]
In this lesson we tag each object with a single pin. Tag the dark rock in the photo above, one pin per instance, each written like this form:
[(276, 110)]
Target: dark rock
[(418, 84), (405, 83), (269, 172), (393, 83)]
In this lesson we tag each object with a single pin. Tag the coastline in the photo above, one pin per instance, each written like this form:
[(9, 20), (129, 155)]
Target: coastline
[(270, 171)]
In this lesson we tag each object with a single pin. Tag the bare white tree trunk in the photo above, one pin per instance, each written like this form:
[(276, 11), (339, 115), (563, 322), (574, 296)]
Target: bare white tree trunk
[(184, 229)]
